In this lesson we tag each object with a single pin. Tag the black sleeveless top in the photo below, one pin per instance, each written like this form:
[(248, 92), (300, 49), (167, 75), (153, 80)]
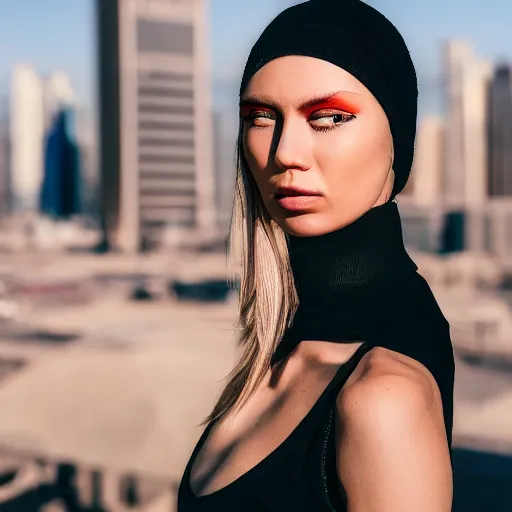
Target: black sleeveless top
[(299, 475), (356, 283)]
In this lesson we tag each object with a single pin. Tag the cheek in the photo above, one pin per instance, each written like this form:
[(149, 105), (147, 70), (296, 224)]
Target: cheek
[(359, 157), (256, 150)]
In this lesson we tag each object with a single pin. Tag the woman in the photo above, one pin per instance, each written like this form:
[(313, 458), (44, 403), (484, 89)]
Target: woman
[(342, 397)]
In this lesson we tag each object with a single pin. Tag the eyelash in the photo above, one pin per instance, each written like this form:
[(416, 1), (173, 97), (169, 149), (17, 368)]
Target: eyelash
[(253, 115)]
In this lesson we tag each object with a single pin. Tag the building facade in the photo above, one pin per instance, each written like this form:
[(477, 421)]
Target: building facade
[(26, 137), (429, 159), (499, 133), (61, 191), (156, 148), (466, 89)]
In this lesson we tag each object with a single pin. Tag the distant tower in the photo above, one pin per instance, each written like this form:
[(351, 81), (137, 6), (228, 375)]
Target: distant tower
[(61, 192), (156, 148), (26, 134), (500, 132), (429, 159), (467, 78)]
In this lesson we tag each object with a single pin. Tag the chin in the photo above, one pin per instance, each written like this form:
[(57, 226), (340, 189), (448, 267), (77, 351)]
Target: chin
[(308, 224)]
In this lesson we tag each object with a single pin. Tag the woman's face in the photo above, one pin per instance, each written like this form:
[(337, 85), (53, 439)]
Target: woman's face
[(312, 125)]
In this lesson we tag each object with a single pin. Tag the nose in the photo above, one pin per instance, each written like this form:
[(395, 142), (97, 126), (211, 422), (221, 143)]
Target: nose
[(291, 150)]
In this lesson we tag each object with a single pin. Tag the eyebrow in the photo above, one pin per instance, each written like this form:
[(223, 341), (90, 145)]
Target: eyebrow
[(305, 103)]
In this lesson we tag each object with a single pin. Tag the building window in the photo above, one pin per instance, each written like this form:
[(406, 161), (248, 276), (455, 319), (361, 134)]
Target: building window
[(168, 174), (152, 142), (167, 75), (163, 125), (148, 108), (165, 92), (170, 192), (166, 159), (154, 36)]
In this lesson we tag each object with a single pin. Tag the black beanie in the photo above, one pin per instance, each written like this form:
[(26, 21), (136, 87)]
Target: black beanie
[(359, 39)]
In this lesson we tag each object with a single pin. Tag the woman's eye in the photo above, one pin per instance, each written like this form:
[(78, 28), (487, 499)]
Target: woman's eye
[(259, 119), (331, 121)]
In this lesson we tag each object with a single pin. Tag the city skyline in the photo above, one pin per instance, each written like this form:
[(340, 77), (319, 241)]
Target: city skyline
[(65, 40)]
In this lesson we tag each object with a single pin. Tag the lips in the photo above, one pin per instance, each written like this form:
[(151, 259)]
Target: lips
[(295, 200), (294, 193)]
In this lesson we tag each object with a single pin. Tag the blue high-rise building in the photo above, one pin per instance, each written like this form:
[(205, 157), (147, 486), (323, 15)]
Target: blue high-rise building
[(61, 191)]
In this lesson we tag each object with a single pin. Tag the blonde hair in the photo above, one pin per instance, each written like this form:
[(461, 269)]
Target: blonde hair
[(267, 296)]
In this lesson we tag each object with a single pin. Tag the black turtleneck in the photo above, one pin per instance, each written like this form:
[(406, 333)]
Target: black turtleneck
[(358, 283), (328, 266)]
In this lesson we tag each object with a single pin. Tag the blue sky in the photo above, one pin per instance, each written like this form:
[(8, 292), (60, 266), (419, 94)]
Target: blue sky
[(59, 34)]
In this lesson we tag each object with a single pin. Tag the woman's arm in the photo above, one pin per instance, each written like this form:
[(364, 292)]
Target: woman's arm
[(392, 452)]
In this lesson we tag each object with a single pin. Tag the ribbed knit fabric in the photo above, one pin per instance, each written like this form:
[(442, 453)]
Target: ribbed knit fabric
[(369, 248), (359, 39)]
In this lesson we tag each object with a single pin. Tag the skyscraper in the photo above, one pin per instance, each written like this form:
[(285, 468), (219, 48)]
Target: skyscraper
[(61, 191), (467, 77), (477, 76), (429, 160), (26, 134), (499, 132), (156, 148)]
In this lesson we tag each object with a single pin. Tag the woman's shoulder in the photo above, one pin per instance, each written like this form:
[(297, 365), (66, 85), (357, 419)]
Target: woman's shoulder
[(386, 376), (392, 433)]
